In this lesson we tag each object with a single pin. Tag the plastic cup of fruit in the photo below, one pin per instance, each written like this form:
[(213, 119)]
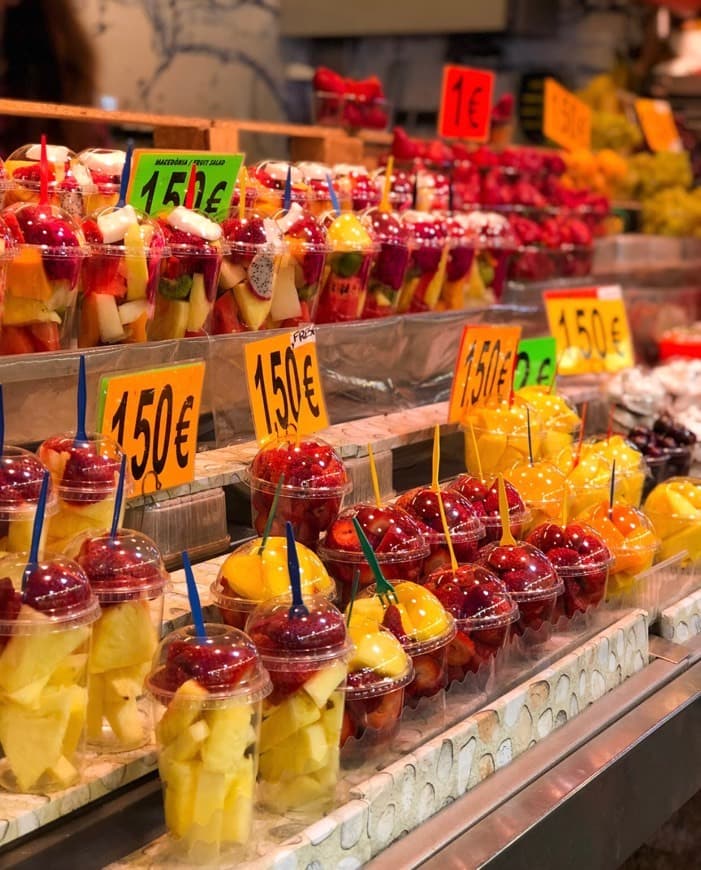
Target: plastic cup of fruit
[(128, 578), (45, 635), (483, 611), (85, 475), (485, 502), (207, 697), (316, 176), (302, 270), (462, 286), (389, 267), (307, 658), (247, 578), (269, 178), (630, 465), (674, 507), (352, 251), (401, 192), (42, 279), (532, 582), (582, 560), (105, 166), (248, 280), (544, 488), (316, 482), (427, 263), (490, 237), (355, 188), (69, 181), (120, 277), (466, 530), (395, 536), (589, 481), (562, 423), (501, 434), (21, 476), (187, 286)]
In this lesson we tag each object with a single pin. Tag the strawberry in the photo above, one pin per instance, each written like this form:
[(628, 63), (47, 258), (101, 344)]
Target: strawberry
[(563, 557), (430, 675), (10, 604), (15, 340), (56, 587), (447, 590), (393, 621), (225, 315), (285, 683), (461, 651), (213, 665), (385, 715), (347, 729)]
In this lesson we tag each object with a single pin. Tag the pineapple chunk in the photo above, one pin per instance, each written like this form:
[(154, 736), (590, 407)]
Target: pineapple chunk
[(230, 733), (238, 807), (125, 721), (63, 772), (332, 718), (182, 711), (124, 635), (19, 536), (137, 267), (302, 753), (180, 784), (70, 671), (296, 712), (76, 719), (108, 321), (96, 707), (200, 306), (208, 807), (296, 793), (324, 682), (188, 743)]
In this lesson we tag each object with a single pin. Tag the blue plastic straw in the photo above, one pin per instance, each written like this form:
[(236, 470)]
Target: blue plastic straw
[(287, 196), (126, 172), (332, 195), (80, 434), (194, 597), (119, 497), (36, 529), (298, 607)]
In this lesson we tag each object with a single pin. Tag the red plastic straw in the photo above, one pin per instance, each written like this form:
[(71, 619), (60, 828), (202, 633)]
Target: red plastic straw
[(190, 195), (43, 173)]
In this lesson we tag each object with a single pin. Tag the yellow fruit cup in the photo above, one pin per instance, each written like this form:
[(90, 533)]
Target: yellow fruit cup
[(21, 475), (674, 507), (501, 436), (589, 479), (544, 489), (631, 469), (561, 421)]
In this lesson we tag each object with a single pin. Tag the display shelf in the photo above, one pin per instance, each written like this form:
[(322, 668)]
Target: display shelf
[(681, 621)]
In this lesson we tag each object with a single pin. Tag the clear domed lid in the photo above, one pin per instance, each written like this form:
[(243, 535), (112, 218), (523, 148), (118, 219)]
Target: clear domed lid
[(525, 571), (21, 476), (476, 597), (308, 464), (119, 230), (462, 520), (47, 227), (82, 471), (574, 548), (390, 530)]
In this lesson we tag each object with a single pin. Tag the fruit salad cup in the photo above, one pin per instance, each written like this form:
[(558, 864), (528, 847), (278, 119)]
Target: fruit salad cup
[(70, 181), (207, 695), (45, 633), (483, 611), (120, 277), (631, 538), (532, 582), (582, 560), (303, 267), (345, 282), (478, 264), (631, 469), (316, 177), (588, 478), (390, 264), (85, 475), (466, 530), (188, 284), (430, 248), (394, 535), (562, 422), (378, 674), (485, 502), (401, 192), (42, 279), (355, 188), (462, 287), (423, 627), (248, 280), (501, 435), (307, 658), (105, 166), (316, 481), (675, 510), (128, 578), (248, 578), (21, 476), (544, 488), (268, 180)]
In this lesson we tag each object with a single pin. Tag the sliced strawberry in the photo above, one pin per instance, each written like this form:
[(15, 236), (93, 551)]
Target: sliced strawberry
[(225, 315), (15, 339), (347, 729), (393, 621), (45, 336), (461, 650), (385, 715), (429, 676)]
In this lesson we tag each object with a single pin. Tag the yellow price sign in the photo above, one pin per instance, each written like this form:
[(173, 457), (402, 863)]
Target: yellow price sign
[(658, 125), (154, 414), (284, 384), (591, 329), (566, 118), (485, 367)]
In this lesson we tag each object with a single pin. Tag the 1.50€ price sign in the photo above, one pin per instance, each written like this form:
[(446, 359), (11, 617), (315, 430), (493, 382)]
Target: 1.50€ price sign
[(284, 385), (485, 367), (566, 118), (591, 330), (154, 414)]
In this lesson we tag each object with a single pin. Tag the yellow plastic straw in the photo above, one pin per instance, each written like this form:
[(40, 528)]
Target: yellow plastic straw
[(373, 477), (476, 449), (389, 169), (243, 183), (507, 539), (436, 457)]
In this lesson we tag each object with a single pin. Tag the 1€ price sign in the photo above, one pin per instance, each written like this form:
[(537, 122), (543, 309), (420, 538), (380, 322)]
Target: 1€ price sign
[(466, 103), (485, 367), (535, 363), (658, 125), (154, 415), (284, 385), (591, 330), (566, 118), (159, 179)]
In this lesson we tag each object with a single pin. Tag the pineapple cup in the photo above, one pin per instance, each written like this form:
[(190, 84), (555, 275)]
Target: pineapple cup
[(21, 475), (207, 698), (128, 578), (44, 641), (501, 435)]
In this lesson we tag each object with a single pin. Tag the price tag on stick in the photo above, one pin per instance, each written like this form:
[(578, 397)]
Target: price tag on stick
[(485, 367), (284, 385), (566, 118), (466, 103), (159, 179), (535, 363), (591, 329), (154, 415), (659, 127)]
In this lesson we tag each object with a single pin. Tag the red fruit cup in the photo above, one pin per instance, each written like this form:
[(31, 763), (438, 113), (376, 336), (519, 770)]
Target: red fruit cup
[(69, 181), (303, 267), (394, 535), (42, 279), (120, 277), (85, 475), (316, 177), (307, 658), (187, 287), (316, 482), (8, 251), (490, 238), (532, 582), (128, 577), (425, 275), (483, 610), (21, 476), (45, 635), (485, 502), (269, 178), (105, 166), (355, 188), (248, 578), (389, 267), (207, 697), (401, 192)]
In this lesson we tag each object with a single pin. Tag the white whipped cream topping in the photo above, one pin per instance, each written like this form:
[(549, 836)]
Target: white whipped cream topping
[(111, 162), (54, 153), (189, 221), (114, 225)]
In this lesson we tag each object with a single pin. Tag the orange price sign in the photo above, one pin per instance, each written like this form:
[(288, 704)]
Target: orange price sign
[(466, 103), (484, 368), (566, 119), (284, 385), (154, 414), (657, 122), (591, 329)]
